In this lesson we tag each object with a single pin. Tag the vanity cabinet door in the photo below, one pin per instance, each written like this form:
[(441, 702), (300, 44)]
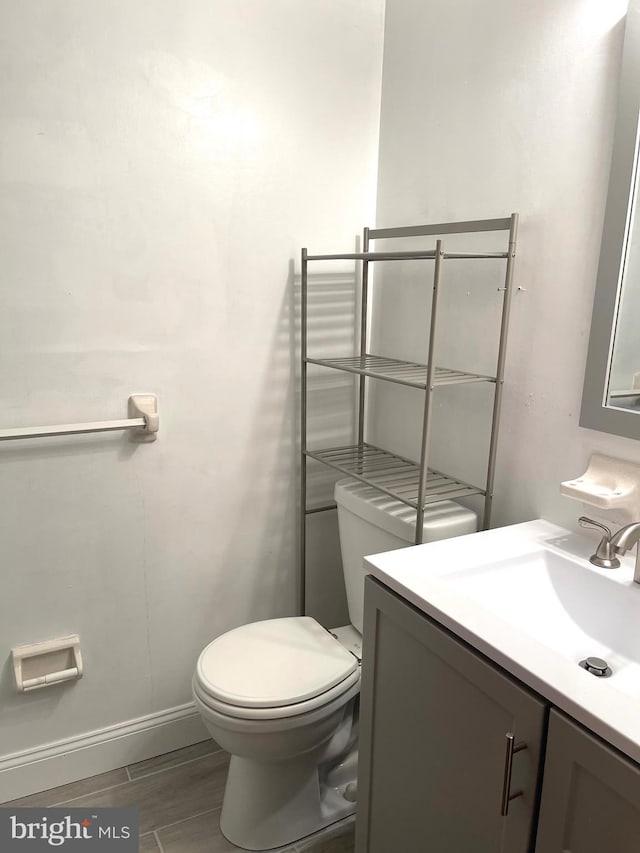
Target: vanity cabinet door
[(590, 794), (433, 726)]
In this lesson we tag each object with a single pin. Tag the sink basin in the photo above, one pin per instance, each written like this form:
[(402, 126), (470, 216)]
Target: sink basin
[(528, 598), (565, 604)]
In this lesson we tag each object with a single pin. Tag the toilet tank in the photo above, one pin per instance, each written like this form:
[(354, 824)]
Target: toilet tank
[(371, 522)]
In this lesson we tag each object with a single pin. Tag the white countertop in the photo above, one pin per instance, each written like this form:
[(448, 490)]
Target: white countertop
[(428, 576)]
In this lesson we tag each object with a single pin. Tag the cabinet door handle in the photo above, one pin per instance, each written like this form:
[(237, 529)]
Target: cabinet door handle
[(511, 747)]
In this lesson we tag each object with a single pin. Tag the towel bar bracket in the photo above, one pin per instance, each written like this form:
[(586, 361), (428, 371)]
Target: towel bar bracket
[(145, 406)]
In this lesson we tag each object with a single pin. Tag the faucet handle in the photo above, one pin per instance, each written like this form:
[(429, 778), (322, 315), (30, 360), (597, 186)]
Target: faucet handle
[(605, 556), (585, 521)]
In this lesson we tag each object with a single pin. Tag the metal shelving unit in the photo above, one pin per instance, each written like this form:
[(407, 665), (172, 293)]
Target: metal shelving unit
[(412, 482)]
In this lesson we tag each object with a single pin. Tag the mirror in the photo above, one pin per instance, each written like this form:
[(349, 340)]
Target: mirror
[(611, 396)]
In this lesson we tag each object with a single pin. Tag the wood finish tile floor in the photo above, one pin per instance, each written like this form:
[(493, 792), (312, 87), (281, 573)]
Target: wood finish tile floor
[(179, 797)]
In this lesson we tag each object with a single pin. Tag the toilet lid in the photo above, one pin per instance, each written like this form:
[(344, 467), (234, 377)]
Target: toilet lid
[(273, 663)]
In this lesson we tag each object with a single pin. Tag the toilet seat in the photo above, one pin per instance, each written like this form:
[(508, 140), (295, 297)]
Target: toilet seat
[(274, 669), (323, 702)]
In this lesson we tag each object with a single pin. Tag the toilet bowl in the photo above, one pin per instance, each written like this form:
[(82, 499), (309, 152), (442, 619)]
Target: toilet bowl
[(281, 695)]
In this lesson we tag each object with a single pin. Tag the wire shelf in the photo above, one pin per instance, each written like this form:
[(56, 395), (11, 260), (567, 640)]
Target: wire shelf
[(394, 475), (402, 372)]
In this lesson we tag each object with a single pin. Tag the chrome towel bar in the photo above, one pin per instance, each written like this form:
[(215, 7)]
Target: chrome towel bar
[(143, 420)]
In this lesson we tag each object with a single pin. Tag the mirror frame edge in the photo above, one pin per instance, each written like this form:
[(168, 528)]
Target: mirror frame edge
[(594, 414)]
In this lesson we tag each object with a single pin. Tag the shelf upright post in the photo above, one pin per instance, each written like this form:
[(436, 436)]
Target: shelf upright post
[(431, 369), (502, 350), (364, 303), (303, 435)]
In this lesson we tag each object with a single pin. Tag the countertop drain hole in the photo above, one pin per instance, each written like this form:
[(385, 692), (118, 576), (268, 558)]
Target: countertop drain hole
[(596, 666)]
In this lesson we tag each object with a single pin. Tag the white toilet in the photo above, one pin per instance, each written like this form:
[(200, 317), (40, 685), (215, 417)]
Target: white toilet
[(282, 695)]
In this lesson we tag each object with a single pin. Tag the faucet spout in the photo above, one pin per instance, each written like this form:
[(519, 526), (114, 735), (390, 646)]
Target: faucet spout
[(626, 538)]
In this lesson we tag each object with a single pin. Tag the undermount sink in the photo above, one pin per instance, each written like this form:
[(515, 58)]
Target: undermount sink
[(528, 597)]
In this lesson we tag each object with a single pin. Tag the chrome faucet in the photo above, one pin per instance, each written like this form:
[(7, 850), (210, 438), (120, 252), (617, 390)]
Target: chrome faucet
[(613, 544)]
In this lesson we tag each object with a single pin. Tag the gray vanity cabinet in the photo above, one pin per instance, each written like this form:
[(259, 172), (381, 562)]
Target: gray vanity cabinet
[(434, 721), (590, 795)]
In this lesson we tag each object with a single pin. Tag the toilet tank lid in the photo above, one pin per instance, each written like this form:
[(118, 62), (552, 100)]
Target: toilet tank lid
[(441, 520), (274, 663)]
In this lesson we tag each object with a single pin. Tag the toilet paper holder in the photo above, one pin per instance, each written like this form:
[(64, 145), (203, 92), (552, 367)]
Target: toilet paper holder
[(47, 663)]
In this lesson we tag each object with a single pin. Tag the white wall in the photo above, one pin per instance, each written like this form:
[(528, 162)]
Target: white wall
[(490, 108), (161, 163)]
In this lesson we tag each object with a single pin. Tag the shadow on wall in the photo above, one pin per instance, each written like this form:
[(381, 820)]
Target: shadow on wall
[(267, 487), (333, 307)]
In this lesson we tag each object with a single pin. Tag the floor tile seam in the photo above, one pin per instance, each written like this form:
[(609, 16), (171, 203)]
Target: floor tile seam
[(86, 794), (158, 842), (173, 766), (185, 819)]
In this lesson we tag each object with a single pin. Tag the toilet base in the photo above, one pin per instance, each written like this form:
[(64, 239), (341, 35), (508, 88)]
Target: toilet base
[(269, 805)]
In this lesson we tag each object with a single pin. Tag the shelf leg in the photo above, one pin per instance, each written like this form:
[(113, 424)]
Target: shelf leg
[(364, 308), (302, 574), (502, 351), (426, 421)]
